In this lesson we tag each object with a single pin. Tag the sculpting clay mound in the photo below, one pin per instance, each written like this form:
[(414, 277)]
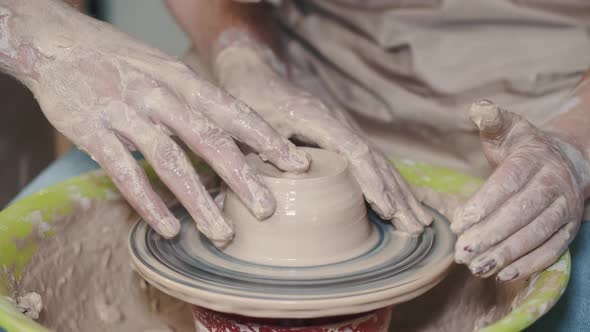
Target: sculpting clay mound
[(85, 279), (320, 216)]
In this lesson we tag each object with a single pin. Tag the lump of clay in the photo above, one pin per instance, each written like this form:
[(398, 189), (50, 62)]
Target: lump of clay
[(30, 305)]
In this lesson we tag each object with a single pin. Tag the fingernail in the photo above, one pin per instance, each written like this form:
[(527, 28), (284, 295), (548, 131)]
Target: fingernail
[(483, 266), (221, 230), (410, 228), (405, 221), (507, 274), (299, 159), (264, 204), (484, 114), (427, 218), (463, 253), (219, 200), (390, 205), (226, 231), (168, 227), (220, 244), (484, 102), (260, 200)]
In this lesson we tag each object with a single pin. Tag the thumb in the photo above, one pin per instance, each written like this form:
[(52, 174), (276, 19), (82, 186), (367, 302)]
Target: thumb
[(496, 128)]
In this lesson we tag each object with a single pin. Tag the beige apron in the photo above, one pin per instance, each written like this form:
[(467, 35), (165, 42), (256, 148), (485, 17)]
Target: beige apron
[(407, 70)]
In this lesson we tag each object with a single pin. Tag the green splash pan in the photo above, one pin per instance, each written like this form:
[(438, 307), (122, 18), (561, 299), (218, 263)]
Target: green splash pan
[(59, 200)]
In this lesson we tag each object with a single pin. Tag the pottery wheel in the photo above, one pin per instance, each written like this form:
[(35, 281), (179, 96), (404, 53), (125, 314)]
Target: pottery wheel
[(396, 269)]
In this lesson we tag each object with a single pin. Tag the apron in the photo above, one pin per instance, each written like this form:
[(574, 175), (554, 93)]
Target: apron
[(407, 70)]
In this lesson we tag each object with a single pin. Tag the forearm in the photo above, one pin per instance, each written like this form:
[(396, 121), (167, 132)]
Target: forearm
[(572, 124), (205, 22)]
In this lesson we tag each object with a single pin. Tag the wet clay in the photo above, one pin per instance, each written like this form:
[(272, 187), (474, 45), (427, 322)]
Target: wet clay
[(30, 305), (319, 211), (461, 302), (86, 282)]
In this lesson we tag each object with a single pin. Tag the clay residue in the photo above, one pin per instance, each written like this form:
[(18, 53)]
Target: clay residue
[(461, 302), (30, 305), (85, 279)]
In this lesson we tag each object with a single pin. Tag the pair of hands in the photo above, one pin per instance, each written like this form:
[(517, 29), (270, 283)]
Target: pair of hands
[(115, 94)]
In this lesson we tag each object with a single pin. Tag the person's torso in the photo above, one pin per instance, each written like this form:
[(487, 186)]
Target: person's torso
[(409, 69)]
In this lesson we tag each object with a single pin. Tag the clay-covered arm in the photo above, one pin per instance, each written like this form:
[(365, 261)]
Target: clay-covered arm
[(205, 22), (572, 124), (110, 93)]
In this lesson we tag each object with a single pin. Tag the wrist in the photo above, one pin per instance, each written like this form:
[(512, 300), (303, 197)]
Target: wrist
[(237, 53), (32, 30), (577, 157), (206, 21)]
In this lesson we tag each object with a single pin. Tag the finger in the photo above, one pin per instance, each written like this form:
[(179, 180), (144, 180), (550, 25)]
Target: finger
[(425, 218), (133, 184), (366, 173), (244, 124), (517, 212), (508, 179), (523, 241), (403, 198), (175, 170), (499, 129), (418, 209), (404, 217), (542, 257), (329, 134), (219, 151), (399, 188)]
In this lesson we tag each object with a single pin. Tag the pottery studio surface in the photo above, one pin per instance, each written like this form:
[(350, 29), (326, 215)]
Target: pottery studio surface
[(370, 268)]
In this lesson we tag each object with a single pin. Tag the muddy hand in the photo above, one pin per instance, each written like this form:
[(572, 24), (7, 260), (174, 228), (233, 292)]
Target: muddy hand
[(109, 94), (527, 212), (251, 72)]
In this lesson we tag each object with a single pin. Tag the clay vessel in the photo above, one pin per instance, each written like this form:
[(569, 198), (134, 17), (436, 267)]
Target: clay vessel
[(320, 216)]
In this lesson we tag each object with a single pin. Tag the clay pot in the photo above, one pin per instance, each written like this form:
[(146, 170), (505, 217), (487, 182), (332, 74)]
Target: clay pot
[(320, 216), (210, 321)]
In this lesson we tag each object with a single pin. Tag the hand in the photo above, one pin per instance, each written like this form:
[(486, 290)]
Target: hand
[(110, 94), (252, 73), (528, 211)]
